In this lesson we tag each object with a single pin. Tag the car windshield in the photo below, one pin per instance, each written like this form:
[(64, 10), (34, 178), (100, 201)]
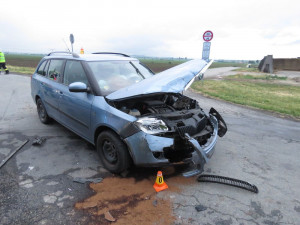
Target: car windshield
[(114, 75)]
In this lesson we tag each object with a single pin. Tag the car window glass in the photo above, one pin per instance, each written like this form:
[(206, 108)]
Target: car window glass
[(55, 68), (114, 75), (74, 73), (41, 69)]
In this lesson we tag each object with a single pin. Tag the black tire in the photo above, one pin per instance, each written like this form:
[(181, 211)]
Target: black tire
[(113, 152), (43, 115)]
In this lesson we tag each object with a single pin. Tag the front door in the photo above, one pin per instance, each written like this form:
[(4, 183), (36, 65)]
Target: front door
[(75, 107)]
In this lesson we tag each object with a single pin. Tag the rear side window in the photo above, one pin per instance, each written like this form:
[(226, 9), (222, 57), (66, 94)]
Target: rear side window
[(74, 73), (55, 69), (42, 70)]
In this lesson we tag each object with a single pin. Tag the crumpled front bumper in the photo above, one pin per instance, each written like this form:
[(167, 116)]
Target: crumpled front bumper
[(143, 146)]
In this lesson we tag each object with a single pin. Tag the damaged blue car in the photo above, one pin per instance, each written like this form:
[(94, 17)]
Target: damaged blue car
[(129, 113)]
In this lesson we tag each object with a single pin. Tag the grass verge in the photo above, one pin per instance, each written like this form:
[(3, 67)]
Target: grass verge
[(274, 97), (256, 77), (20, 69)]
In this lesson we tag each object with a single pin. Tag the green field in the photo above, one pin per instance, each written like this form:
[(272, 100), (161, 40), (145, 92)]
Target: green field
[(23, 60), (227, 64), (19, 62), (259, 93)]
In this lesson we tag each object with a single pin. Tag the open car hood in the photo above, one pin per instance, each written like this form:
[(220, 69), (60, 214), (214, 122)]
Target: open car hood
[(173, 80)]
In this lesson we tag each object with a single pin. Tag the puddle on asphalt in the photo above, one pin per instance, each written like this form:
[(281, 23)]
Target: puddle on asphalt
[(133, 200)]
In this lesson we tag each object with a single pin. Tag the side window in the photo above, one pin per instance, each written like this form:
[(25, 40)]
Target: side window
[(55, 69), (74, 73), (41, 70)]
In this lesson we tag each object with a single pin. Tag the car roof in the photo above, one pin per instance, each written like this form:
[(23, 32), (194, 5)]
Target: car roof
[(90, 57)]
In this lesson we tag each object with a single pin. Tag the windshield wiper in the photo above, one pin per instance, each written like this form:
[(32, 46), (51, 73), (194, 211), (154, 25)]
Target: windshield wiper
[(137, 70)]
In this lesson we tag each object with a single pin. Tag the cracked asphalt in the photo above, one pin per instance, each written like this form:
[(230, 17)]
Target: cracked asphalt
[(37, 182)]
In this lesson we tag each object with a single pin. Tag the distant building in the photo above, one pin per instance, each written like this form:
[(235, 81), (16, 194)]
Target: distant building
[(269, 64)]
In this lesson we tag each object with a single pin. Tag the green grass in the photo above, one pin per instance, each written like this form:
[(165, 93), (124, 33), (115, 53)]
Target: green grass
[(20, 69), (256, 77), (268, 96)]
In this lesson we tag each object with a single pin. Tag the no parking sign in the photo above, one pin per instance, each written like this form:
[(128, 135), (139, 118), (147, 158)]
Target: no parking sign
[(207, 37)]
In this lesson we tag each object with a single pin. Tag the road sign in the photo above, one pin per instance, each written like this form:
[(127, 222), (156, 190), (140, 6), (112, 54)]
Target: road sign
[(206, 51), (206, 46), (208, 35)]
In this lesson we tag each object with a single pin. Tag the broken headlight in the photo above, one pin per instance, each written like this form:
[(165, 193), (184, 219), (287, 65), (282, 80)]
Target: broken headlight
[(151, 125)]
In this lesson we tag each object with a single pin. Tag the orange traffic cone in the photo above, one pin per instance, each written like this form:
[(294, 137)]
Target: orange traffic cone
[(160, 185), (81, 51)]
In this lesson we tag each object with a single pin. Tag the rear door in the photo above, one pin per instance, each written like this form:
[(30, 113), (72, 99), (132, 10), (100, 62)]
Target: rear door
[(38, 78), (75, 107), (50, 86)]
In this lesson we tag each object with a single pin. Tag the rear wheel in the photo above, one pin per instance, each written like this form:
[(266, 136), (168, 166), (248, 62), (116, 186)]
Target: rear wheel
[(113, 152), (44, 118)]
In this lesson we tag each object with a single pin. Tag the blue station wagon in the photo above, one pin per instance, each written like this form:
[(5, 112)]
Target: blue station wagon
[(130, 114)]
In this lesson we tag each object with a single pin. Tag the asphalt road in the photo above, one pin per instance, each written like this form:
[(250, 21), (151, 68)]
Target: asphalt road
[(37, 183)]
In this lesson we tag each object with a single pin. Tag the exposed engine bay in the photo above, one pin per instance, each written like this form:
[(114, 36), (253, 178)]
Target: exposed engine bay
[(182, 115)]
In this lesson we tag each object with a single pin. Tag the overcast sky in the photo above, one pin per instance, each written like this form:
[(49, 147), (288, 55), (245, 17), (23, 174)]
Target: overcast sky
[(242, 29)]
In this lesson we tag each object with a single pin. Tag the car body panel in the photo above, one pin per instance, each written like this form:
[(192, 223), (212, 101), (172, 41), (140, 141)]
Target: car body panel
[(173, 80), (104, 115), (50, 96), (87, 113), (75, 110)]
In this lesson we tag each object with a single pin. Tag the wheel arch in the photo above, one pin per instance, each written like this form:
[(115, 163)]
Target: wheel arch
[(36, 98), (102, 128)]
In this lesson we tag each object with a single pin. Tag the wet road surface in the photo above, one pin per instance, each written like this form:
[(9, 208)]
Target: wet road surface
[(37, 182)]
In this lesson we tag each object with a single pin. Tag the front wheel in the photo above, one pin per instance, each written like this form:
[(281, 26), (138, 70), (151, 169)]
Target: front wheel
[(44, 118), (113, 152)]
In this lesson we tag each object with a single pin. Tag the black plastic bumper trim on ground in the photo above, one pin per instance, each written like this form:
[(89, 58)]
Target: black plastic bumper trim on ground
[(228, 181)]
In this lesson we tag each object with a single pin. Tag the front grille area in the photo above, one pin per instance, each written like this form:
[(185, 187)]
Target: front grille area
[(191, 129), (179, 151), (186, 129)]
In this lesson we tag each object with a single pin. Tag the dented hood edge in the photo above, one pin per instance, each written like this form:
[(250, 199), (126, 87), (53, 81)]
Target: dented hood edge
[(173, 80)]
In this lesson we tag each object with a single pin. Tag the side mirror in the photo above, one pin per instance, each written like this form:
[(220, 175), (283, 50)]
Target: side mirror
[(78, 87)]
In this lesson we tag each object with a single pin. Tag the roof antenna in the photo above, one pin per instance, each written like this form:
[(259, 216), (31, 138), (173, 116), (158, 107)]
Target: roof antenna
[(72, 40), (66, 45)]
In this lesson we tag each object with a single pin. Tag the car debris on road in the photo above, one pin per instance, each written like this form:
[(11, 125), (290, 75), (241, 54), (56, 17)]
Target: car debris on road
[(85, 180), (38, 141), (200, 208), (228, 181), (11, 154)]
